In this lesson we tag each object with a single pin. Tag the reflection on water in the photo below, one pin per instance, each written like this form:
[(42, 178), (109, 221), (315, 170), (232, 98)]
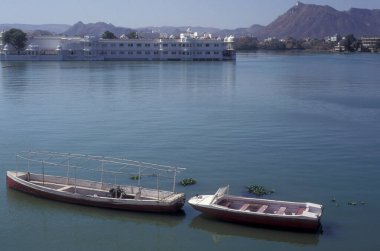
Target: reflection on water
[(219, 230), (40, 77), (19, 201)]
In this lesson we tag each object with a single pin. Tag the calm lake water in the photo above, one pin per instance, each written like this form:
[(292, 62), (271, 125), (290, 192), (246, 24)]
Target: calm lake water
[(306, 125)]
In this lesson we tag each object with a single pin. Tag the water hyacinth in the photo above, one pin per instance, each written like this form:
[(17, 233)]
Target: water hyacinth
[(135, 177), (188, 181), (259, 190)]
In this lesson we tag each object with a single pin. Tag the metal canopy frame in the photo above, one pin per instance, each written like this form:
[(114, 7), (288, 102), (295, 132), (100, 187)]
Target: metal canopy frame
[(120, 165)]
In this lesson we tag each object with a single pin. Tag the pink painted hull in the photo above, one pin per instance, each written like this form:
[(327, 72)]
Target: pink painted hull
[(261, 220), (83, 200)]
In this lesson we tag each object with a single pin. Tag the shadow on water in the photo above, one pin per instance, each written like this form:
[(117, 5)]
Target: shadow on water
[(21, 203), (219, 230)]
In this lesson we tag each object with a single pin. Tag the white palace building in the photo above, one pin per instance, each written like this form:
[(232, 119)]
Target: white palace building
[(189, 46)]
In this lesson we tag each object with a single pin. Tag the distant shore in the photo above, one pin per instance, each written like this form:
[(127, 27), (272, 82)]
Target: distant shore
[(334, 44)]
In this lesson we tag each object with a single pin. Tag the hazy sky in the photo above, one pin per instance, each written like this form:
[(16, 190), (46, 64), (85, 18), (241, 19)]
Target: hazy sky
[(141, 13)]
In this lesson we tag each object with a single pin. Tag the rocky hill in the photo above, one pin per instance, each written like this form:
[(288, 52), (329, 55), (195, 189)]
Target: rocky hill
[(53, 28), (95, 29), (240, 32), (309, 20)]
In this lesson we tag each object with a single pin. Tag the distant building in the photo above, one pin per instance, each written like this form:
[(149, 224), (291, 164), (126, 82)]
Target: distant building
[(271, 39), (339, 48), (189, 46), (371, 43), (335, 38)]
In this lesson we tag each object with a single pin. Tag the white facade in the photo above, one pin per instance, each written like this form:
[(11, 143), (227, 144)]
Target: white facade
[(370, 42), (189, 46)]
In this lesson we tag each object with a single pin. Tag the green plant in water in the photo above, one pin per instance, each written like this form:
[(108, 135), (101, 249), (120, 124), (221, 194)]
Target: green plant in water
[(355, 203), (188, 181), (259, 190), (135, 177)]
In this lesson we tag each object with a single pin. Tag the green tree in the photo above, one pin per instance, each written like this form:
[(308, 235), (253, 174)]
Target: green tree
[(15, 37), (133, 35), (246, 43), (349, 42), (377, 46), (108, 35)]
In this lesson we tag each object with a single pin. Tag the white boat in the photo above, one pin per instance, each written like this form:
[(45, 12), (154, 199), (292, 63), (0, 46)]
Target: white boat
[(261, 212), (102, 193)]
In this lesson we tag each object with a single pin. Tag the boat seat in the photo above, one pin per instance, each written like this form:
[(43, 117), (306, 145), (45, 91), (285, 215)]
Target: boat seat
[(300, 210), (281, 210), (244, 207), (262, 209), (63, 188)]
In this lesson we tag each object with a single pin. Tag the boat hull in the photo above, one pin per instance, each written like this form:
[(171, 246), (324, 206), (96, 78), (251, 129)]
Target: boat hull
[(130, 205), (298, 216), (260, 220)]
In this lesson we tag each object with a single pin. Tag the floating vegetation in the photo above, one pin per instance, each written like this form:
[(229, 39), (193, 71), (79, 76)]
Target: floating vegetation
[(259, 190), (355, 203), (188, 181), (350, 203), (135, 177)]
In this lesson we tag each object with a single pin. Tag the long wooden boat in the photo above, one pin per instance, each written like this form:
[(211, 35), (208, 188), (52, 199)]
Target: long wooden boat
[(72, 189), (252, 211)]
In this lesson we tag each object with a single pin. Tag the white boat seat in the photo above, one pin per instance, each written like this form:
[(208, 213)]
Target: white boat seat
[(300, 210), (63, 188), (281, 210), (244, 207), (262, 209)]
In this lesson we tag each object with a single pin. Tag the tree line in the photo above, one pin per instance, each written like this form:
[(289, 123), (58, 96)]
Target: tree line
[(347, 43)]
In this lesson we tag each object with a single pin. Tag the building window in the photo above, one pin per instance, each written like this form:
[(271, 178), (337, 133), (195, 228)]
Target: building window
[(207, 45), (155, 52), (130, 52), (216, 45), (147, 45), (174, 53), (174, 45), (138, 52), (165, 45), (207, 53), (130, 45), (113, 45), (138, 45), (121, 45), (121, 52), (216, 52), (147, 52)]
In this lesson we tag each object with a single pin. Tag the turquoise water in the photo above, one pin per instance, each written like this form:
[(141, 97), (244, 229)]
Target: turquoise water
[(306, 125)]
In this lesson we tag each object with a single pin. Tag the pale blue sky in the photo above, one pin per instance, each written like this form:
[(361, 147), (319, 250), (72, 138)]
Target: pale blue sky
[(141, 13)]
